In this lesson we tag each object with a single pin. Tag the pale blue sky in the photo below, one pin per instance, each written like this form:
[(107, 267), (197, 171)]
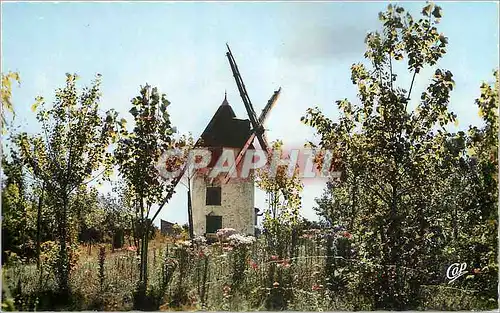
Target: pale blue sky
[(306, 48)]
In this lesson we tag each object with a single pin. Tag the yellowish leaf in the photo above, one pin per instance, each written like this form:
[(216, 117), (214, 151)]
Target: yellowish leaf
[(38, 101)]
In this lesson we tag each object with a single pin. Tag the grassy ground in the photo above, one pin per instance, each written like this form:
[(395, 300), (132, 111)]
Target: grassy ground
[(212, 277)]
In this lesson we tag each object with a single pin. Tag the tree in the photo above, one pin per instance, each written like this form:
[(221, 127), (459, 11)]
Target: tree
[(281, 221), (88, 216), (137, 155), (14, 205), (117, 218), (283, 200), (71, 148), (477, 239), (392, 159)]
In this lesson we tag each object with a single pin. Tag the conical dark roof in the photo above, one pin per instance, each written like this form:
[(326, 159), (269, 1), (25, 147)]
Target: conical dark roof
[(225, 130)]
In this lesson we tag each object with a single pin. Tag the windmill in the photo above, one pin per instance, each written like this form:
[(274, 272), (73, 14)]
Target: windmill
[(255, 130)]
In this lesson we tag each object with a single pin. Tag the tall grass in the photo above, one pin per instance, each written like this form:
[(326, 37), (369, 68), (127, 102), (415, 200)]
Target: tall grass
[(230, 276)]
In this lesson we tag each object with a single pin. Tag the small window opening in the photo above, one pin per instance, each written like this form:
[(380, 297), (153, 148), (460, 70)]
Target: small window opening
[(213, 196)]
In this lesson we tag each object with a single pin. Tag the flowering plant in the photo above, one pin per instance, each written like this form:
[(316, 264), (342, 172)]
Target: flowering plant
[(224, 233), (199, 240), (240, 240)]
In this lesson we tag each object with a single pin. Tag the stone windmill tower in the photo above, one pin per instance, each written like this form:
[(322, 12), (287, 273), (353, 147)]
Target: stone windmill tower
[(216, 204)]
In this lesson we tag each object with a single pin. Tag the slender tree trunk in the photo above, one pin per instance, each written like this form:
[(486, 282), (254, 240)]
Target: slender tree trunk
[(146, 244), (63, 253), (142, 226), (133, 234), (144, 249), (141, 266), (38, 227), (190, 213)]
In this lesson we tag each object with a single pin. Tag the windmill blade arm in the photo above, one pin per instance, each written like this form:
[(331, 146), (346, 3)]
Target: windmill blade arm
[(239, 158), (170, 193), (260, 132), (261, 137), (269, 106), (242, 89), (241, 154)]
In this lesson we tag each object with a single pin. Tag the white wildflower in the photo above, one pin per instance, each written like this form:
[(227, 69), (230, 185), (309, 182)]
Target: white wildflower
[(237, 239)]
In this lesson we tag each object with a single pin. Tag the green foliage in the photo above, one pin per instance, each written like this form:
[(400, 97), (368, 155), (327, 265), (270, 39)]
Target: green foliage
[(137, 156), (193, 276), (72, 146), (283, 200), (6, 94), (138, 151), (281, 220), (400, 193), (412, 199), (17, 210), (479, 184), (50, 257)]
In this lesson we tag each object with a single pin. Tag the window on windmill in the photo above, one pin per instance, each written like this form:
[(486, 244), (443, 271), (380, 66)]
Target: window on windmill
[(213, 196), (214, 223)]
